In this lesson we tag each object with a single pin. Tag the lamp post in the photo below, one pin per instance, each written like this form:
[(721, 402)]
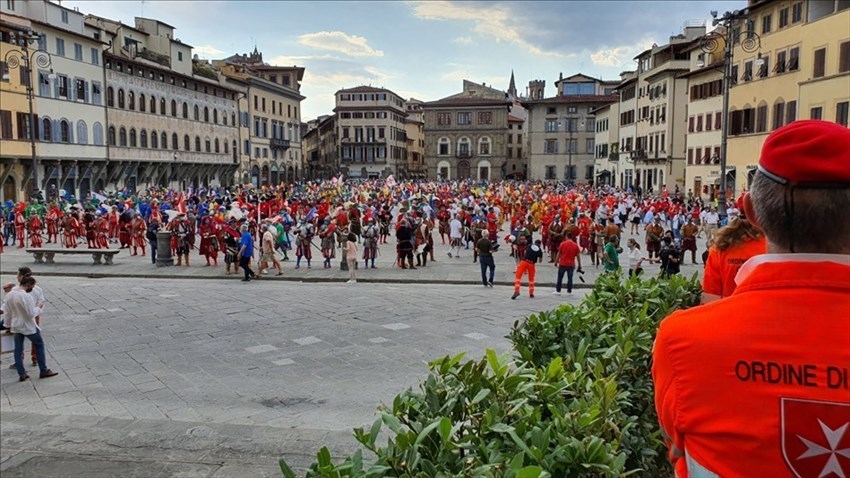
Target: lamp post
[(750, 43), (23, 59)]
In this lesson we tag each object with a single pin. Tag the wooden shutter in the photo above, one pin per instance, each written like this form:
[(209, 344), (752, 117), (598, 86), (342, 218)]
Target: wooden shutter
[(819, 69), (844, 57)]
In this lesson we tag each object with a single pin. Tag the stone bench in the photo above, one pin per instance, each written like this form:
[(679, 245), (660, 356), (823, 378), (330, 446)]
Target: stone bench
[(100, 256)]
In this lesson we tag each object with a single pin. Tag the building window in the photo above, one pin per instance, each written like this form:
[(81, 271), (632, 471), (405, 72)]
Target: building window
[(179, 56), (444, 146), (164, 140), (582, 88), (216, 145), (121, 103), (111, 136), (844, 57), (841, 112), (572, 146), (174, 108), (132, 137), (778, 115), (794, 59), (765, 24), (797, 12), (550, 126), (819, 67), (783, 17), (97, 134), (206, 115), (78, 52), (64, 16), (781, 60), (95, 56), (131, 100), (185, 110), (464, 118), (64, 132), (463, 149), (62, 86), (187, 145), (174, 143), (444, 119), (590, 145), (197, 113), (143, 138), (60, 45), (816, 113), (791, 112), (162, 105), (198, 144), (485, 117), (551, 172), (122, 137), (484, 146), (153, 104), (550, 146), (154, 140), (207, 148)]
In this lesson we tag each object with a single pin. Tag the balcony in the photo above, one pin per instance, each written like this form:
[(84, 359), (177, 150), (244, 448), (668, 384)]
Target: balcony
[(464, 154), (277, 143)]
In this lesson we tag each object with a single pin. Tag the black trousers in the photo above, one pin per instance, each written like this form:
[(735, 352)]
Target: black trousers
[(245, 264)]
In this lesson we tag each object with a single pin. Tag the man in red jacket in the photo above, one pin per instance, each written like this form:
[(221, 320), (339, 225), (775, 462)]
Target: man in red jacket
[(758, 383)]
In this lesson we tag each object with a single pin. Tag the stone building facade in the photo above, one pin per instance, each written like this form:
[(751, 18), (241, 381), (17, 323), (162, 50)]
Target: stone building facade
[(371, 139), (466, 134)]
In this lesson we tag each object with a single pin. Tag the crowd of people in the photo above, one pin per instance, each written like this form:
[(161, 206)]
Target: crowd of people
[(308, 218)]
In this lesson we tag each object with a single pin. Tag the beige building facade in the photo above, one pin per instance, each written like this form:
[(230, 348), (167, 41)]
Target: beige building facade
[(562, 130), (705, 105), (466, 134), (320, 148), (800, 70), (272, 150), (607, 164), (166, 127), (371, 139), (414, 128)]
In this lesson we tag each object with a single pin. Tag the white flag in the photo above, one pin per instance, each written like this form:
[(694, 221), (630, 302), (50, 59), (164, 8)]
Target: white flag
[(390, 181)]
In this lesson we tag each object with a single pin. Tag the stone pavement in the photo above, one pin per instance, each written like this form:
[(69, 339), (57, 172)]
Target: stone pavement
[(444, 270), (185, 377)]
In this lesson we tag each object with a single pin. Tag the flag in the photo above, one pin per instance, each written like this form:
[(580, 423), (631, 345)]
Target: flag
[(180, 204), (100, 198), (390, 181), (310, 214)]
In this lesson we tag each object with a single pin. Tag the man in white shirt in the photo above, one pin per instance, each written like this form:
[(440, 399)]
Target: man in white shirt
[(711, 221), (22, 311), (455, 236)]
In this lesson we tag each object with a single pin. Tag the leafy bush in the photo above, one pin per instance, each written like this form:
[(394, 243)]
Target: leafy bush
[(577, 401)]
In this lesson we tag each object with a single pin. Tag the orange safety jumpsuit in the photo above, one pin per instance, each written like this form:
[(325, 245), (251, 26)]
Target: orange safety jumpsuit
[(758, 384), (722, 266)]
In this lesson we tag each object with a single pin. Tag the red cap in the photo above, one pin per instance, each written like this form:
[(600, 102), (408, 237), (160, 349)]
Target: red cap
[(807, 151)]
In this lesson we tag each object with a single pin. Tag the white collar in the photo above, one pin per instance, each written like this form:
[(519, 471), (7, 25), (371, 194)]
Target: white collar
[(755, 261)]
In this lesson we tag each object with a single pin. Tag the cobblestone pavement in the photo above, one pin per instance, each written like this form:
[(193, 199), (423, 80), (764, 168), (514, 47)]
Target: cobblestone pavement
[(183, 377)]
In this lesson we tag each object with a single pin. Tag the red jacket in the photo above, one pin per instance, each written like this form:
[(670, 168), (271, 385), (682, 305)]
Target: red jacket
[(758, 384)]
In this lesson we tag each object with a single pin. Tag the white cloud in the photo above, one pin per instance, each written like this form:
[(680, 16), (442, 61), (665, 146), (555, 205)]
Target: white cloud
[(467, 40), (496, 22), (351, 45), (619, 56), (207, 51)]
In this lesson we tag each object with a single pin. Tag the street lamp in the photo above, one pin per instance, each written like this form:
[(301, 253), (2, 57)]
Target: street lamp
[(23, 59), (750, 43)]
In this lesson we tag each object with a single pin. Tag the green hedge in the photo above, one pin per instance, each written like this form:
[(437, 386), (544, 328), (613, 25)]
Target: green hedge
[(576, 400)]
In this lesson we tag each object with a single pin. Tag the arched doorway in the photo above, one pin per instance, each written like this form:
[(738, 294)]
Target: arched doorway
[(463, 169), (255, 176), (444, 170), (10, 191), (290, 174), (275, 174), (265, 175), (484, 170), (85, 188)]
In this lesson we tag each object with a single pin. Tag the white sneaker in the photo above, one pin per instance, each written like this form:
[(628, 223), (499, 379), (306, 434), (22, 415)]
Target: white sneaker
[(556, 293), (351, 281)]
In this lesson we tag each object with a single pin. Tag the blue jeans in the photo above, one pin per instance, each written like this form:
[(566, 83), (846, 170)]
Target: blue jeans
[(569, 271), (38, 343), (487, 263)]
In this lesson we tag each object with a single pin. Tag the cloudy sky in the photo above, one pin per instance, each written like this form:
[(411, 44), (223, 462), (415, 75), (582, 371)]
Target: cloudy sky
[(422, 49)]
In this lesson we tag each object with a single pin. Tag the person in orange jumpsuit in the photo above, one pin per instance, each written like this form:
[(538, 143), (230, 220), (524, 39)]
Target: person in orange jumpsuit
[(758, 384), (733, 245)]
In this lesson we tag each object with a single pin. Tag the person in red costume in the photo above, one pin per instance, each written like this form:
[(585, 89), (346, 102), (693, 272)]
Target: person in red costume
[(35, 227), (755, 384)]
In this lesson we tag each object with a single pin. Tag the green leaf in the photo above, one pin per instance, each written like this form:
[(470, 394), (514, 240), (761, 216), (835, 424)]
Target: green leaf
[(529, 472), (481, 395), (425, 431), (324, 457), (445, 429), (285, 469), (391, 422)]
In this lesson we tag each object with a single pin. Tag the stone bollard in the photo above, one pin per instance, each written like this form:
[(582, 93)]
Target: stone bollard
[(163, 249)]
